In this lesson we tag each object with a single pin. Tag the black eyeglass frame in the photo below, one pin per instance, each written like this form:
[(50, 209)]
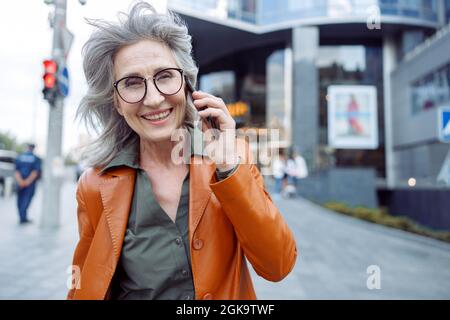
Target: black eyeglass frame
[(154, 82)]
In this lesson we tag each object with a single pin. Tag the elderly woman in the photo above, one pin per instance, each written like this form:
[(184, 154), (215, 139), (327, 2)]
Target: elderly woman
[(151, 227)]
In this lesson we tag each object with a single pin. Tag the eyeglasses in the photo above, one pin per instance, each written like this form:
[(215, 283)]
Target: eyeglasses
[(132, 89)]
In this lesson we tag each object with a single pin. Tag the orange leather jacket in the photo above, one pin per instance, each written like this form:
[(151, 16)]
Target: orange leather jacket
[(229, 221)]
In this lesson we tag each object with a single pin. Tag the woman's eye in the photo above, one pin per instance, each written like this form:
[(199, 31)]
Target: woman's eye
[(165, 75), (133, 82)]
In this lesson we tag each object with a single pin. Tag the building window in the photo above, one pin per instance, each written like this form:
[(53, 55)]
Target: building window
[(431, 90), (220, 84)]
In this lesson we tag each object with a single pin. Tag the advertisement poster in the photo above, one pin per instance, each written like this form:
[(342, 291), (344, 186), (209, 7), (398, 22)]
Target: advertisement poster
[(352, 117)]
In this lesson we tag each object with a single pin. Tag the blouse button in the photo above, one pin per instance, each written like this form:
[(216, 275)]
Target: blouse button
[(207, 296), (198, 244)]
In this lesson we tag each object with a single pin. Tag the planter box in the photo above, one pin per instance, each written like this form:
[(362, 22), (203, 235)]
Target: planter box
[(429, 207)]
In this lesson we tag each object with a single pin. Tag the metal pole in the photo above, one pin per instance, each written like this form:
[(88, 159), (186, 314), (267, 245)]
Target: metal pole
[(53, 159)]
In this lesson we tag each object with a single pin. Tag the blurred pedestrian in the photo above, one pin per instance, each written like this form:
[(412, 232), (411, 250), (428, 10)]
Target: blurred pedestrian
[(300, 165), (152, 228), (296, 169), (290, 189), (27, 172), (278, 171)]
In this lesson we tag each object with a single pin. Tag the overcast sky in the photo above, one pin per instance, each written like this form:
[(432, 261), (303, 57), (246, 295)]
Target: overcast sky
[(26, 41)]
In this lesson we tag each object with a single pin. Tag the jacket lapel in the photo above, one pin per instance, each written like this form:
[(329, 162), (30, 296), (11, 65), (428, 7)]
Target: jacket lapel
[(117, 193), (200, 175)]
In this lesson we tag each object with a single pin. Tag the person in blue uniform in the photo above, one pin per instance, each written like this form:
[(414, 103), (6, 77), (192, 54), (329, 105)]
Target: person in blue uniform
[(28, 171)]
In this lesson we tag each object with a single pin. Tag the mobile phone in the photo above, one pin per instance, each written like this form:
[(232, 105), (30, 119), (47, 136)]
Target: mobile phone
[(212, 123)]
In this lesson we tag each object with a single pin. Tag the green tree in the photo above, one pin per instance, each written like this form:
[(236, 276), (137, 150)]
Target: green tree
[(9, 142)]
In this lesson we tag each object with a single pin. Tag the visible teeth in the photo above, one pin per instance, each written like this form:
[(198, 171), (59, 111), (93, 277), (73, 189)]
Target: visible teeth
[(158, 116)]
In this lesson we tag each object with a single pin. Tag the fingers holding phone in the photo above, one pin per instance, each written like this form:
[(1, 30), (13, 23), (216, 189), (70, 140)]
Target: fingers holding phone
[(214, 108), (214, 113)]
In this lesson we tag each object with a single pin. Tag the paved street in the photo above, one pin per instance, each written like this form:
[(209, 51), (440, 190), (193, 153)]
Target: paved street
[(335, 252)]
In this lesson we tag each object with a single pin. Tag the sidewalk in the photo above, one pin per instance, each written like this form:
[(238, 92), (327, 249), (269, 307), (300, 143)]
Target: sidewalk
[(34, 261), (334, 253)]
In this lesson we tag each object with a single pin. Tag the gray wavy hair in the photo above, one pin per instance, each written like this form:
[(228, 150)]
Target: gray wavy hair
[(96, 108)]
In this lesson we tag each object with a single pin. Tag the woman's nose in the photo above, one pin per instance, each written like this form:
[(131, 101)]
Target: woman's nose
[(153, 97)]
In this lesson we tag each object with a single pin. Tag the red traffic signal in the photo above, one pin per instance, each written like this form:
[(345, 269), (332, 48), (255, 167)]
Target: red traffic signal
[(50, 67), (49, 81)]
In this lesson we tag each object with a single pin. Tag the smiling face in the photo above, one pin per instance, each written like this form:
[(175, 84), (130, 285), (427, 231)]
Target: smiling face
[(156, 116)]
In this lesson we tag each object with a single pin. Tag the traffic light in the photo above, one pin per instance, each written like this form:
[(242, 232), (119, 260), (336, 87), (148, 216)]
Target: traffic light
[(50, 90)]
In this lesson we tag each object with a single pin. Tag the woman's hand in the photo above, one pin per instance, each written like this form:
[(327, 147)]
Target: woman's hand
[(209, 105), (222, 150)]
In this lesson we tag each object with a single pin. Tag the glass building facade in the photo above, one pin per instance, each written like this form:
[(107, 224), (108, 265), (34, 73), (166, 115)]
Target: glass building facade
[(266, 12), (257, 56)]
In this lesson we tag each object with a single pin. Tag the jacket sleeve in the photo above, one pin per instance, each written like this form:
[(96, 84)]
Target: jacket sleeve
[(267, 241), (86, 233)]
